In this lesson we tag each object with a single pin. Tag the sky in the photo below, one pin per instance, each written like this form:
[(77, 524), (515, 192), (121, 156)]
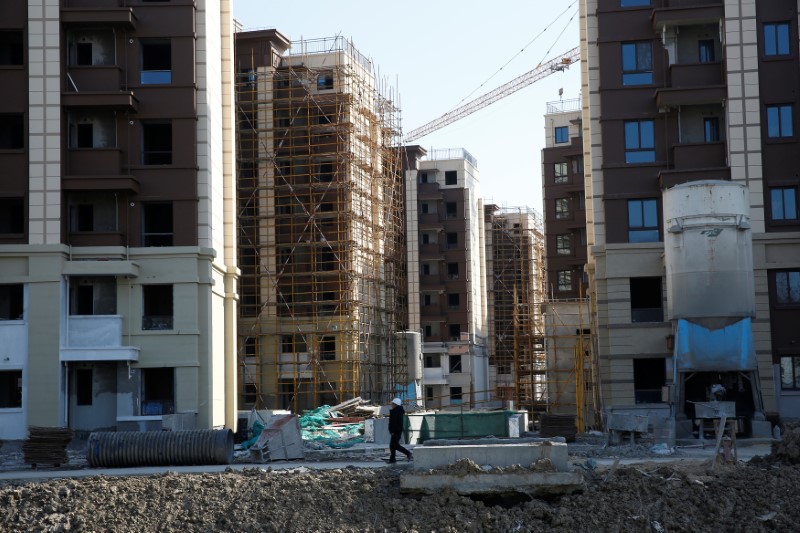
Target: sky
[(439, 54)]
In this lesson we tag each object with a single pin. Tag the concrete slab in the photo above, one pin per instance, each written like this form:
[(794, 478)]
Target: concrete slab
[(529, 483), (280, 440), (502, 455)]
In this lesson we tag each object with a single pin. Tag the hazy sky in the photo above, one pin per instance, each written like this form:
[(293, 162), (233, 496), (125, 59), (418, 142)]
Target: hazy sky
[(438, 54)]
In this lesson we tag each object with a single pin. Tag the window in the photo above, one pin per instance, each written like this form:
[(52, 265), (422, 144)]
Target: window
[(433, 361), (456, 395), (451, 209), (784, 203), (454, 331), (577, 165), (327, 348), (452, 240), (582, 236), (639, 141), (325, 173), (560, 173), (452, 270), (423, 208), (561, 134), (11, 49), (562, 208), (157, 225), (643, 220), (156, 62), (633, 3), (84, 386), (156, 143), (325, 81), (790, 372), (776, 39), (637, 63), (428, 330), (12, 301), (84, 135), (83, 54), (779, 121), (705, 51), (92, 295), (564, 280), (158, 391), (455, 364), (12, 215), (451, 177), (711, 129), (429, 395), (12, 132), (787, 288), (649, 375), (646, 300), (426, 269), (427, 300), (426, 238), (563, 244), (423, 177), (292, 344), (10, 389), (453, 302), (157, 306)]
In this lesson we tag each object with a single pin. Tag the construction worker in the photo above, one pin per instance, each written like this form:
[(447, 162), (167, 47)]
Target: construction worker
[(396, 430)]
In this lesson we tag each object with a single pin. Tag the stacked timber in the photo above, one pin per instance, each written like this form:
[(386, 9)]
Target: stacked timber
[(47, 446)]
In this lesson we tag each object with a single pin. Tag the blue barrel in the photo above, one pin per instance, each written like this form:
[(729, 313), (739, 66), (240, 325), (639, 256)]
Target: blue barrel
[(160, 448)]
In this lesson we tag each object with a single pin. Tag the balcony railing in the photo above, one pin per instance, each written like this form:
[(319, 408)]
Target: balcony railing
[(96, 338)]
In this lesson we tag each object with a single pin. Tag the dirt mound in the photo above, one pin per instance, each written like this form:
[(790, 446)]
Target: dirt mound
[(787, 450)]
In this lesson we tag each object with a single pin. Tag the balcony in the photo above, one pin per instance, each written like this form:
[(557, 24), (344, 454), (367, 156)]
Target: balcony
[(696, 161), (84, 13), (429, 191), (97, 238), (97, 169), (96, 338), (687, 12), (122, 100), (95, 78)]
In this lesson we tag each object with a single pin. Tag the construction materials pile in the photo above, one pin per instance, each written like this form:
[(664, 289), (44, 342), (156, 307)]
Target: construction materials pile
[(47, 446)]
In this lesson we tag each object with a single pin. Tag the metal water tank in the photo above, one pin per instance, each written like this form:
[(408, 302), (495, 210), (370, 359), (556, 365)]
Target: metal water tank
[(708, 250), (412, 347)]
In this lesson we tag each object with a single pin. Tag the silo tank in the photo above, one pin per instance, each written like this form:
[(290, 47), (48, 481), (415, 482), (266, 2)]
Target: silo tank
[(410, 343), (708, 251)]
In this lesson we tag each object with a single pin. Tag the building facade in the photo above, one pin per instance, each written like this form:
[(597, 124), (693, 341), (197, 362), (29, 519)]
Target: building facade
[(690, 93), (117, 249)]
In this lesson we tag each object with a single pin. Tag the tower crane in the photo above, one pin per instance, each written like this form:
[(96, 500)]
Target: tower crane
[(557, 64)]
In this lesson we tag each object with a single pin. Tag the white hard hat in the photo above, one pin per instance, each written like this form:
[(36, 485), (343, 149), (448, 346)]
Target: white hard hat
[(397, 401)]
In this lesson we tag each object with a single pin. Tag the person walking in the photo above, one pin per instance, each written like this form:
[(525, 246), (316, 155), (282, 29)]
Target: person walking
[(396, 429)]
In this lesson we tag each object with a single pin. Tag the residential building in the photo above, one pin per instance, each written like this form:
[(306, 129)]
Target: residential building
[(117, 251), (447, 275), (690, 136), (320, 225)]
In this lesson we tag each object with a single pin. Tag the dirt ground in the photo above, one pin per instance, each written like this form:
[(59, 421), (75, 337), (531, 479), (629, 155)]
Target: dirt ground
[(760, 495)]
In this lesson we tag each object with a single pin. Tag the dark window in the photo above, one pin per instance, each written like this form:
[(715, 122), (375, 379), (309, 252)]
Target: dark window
[(84, 133), (562, 208), (705, 50), (451, 209), (450, 177), (643, 220), (790, 372), (452, 240), (423, 177), (426, 238), (157, 306), (81, 217), (646, 300), (10, 389), (639, 141), (428, 330), (12, 215), (649, 375), (784, 203), (560, 172), (158, 391), (156, 62), (423, 208), (326, 171), (82, 300), (787, 288), (779, 121), (452, 270), (84, 386), (633, 3), (564, 244), (776, 39), (433, 361), (582, 236), (428, 394), (293, 344), (561, 134), (564, 280), (250, 394), (327, 348), (11, 301), (11, 47), (157, 225), (456, 395), (453, 301), (637, 63), (12, 132), (455, 364), (711, 129), (325, 81), (83, 54), (156, 143), (454, 331), (426, 300), (577, 165), (426, 269)]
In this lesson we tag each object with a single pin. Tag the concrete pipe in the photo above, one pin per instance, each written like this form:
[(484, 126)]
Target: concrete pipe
[(160, 448)]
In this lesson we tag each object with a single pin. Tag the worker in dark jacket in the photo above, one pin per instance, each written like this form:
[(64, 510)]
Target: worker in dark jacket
[(396, 429)]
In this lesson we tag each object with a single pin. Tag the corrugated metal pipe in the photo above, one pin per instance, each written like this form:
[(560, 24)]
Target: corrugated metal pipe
[(160, 448)]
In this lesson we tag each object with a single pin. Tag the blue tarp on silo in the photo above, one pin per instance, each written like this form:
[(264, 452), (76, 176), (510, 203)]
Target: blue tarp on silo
[(724, 349)]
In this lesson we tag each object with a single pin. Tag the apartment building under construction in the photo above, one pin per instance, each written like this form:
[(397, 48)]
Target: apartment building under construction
[(320, 225)]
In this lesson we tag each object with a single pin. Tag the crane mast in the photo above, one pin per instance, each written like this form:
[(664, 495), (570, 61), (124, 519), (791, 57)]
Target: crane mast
[(557, 64)]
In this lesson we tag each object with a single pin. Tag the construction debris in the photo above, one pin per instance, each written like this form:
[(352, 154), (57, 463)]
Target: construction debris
[(47, 445)]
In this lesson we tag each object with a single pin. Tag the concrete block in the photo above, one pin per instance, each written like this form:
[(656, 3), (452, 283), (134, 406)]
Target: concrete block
[(498, 455), (376, 430), (530, 483), (627, 422), (280, 440)]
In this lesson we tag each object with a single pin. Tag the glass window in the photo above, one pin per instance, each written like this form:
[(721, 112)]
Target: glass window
[(640, 141), (577, 165), (790, 372), (562, 208), (784, 203), (711, 129), (705, 50), (787, 287), (563, 244), (562, 134), (643, 220), (637, 63), (564, 280), (776, 39), (779, 121), (560, 172)]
